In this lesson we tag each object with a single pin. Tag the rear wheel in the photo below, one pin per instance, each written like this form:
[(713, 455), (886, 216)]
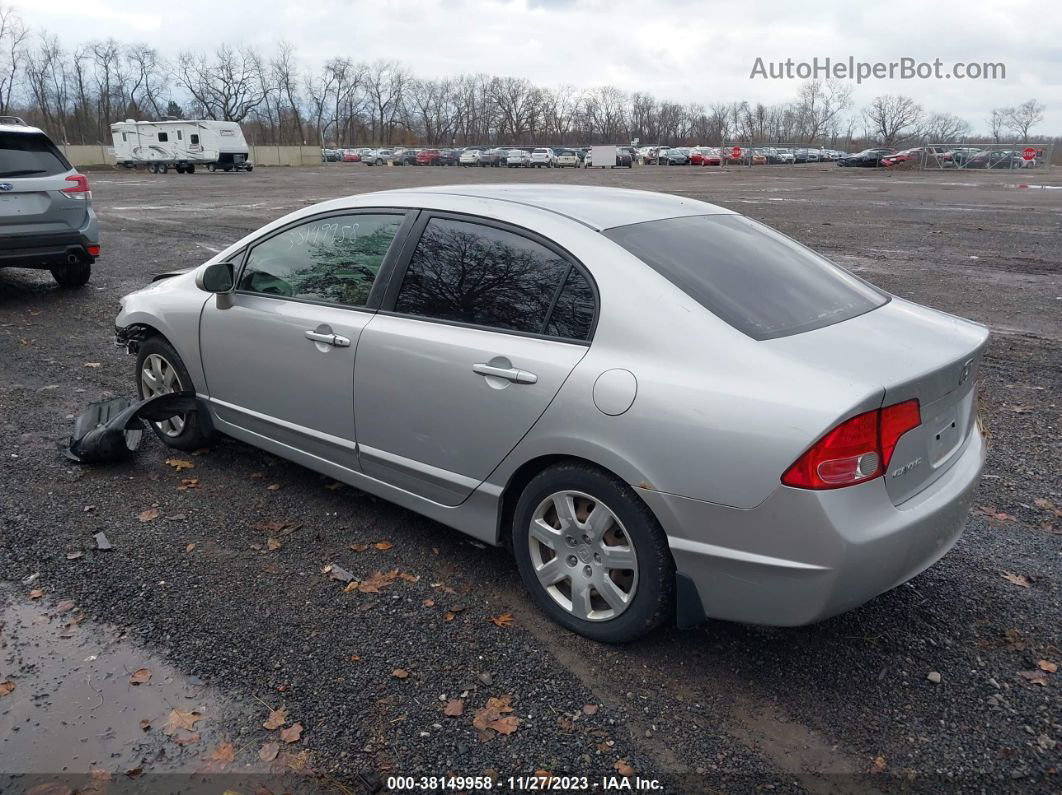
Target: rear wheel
[(211, 167), (190, 168), (72, 275), (160, 371), (592, 554)]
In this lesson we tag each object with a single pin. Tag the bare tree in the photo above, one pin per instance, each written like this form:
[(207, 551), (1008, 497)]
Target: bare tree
[(998, 121), (1021, 119), (12, 35), (945, 128), (820, 104), (227, 87), (893, 117)]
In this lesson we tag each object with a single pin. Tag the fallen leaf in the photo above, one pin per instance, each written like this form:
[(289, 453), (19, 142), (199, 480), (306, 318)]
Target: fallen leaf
[(180, 464), (268, 752), (292, 733), (355, 658), (491, 716), (449, 616), (276, 719), (188, 483), (383, 545), (504, 620), (428, 603), (6, 688), (134, 773), (407, 577), (273, 487), (36, 593), (623, 768), (223, 754), (590, 709), (149, 515), (1048, 666), (73, 555), (145, 724), (400, 673), (335, 572), (65, 606), (186, 739), (359, 547), (1018, 579), (257, 475), (140, 676), (454, 707), (273, 544), (378, 581), (189, 548), (878, 765), (1034, 677), (99, 774), (181, 719), (93, 364), (351, 586), (278, 529)]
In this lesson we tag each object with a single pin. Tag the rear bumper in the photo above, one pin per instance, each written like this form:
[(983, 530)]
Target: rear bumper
[(803, 556), (48, 250)]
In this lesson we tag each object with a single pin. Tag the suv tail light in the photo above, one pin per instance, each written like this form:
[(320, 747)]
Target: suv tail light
[(857, 450), (80, 188)]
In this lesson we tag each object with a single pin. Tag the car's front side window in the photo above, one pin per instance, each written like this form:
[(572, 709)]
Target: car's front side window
[(334, 260), (467, 272)]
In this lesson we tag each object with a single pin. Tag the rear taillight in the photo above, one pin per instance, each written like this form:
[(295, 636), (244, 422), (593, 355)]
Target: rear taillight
[(857, 450), (80, 188)]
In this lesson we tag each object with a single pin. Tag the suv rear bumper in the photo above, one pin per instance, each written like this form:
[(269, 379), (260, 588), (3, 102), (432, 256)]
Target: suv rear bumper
[(46, 250)]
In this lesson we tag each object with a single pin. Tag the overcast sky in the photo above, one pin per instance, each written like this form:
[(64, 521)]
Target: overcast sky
[(683, 51)]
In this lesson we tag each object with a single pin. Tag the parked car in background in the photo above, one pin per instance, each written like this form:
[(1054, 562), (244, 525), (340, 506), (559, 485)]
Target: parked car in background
[(543, 157), (404, 157), (377, 157), (448, 157), (470, 157), (623, 159), (916, 156), (806, 155), (46, 216), (868, 158), (351, 156), (518, 158), (428, 157), (330, 156), (637, 456), (958, 156), (566, 158), (495, 157), (676, 156), (780, 156), (999, 158), (705, 156)]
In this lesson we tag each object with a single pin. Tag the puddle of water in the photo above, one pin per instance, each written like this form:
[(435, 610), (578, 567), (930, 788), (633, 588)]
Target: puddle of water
[(1034, 187), (75, 722)]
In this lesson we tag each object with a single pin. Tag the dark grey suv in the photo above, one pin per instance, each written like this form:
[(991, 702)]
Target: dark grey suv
[(46, 217)]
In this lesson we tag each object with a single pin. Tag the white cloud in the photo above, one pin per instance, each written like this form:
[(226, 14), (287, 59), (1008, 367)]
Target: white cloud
[(685, 51)]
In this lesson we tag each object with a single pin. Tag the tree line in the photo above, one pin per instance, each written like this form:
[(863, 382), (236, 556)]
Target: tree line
[(77, 92)]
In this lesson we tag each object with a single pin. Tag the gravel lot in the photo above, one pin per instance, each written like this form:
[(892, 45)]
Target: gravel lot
[(843, 706)]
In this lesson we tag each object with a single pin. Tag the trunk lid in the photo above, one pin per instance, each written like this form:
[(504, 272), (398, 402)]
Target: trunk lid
[(912, 352)]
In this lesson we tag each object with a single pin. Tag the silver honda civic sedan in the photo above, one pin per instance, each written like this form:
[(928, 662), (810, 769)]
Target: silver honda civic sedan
[(667, 410)]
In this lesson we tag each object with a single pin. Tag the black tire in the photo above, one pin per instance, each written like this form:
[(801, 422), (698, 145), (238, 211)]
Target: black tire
[(73, 275), (189, 169), (653, 602), (192, 435), (211, 167), (249, 168)]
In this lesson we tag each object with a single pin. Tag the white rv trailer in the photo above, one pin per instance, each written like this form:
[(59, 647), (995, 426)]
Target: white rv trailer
[(181, 145)]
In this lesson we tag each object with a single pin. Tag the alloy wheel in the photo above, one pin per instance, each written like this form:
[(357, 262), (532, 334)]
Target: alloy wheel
[(158, 377), (583, 556)]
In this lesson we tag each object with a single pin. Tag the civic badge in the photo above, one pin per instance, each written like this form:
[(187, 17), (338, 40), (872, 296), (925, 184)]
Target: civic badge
[(5, 186)]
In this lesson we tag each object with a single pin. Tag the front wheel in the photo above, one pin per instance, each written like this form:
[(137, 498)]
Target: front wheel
[(160, 371), (592, 554)]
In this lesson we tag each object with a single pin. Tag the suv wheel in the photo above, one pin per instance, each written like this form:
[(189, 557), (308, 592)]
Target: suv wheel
[(75, 274), (592, 554), (159, 371)]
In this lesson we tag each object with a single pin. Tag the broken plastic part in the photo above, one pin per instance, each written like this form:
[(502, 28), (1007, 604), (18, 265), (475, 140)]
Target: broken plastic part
[(102, 542), (111, 430)]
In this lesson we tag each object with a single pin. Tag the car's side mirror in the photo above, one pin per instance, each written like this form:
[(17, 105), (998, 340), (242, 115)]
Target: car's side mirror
[(219, 277)]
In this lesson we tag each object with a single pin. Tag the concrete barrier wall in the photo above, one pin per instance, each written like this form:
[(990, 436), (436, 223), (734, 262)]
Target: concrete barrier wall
[(99, 155)]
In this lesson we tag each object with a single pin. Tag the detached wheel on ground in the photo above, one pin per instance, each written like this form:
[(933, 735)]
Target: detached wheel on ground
[(159, 371), (592, 554), (74, 274)]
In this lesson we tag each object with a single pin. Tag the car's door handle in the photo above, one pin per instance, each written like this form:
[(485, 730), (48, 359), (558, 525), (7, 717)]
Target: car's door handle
[(508, 373), (328, 339)]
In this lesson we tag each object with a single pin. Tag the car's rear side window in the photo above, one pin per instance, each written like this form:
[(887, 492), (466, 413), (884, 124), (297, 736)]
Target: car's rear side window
[(756, 279), (30, 155), (466, 272)]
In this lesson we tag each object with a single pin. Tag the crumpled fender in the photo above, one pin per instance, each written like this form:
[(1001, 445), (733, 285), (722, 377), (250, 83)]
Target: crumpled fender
[(111, 430)]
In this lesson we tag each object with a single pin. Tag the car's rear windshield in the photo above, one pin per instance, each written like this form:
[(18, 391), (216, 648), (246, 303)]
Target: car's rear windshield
[(756, 279), (29, 155)]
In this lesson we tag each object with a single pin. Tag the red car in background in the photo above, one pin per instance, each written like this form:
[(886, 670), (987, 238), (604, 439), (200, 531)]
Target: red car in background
[(703, 157), (909, 156), (351, 157), (428, 157)]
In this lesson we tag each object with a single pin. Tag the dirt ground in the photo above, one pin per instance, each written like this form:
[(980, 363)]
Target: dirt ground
[(234, 629)]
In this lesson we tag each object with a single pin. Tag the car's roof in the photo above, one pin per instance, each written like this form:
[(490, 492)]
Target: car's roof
[(21, 128), (596, 207)]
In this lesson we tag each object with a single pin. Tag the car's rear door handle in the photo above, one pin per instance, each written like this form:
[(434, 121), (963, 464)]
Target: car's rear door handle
[(328, 339), (508, 373)]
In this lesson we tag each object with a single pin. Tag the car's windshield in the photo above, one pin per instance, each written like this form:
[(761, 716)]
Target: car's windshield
[(29, 154), (759, 281)]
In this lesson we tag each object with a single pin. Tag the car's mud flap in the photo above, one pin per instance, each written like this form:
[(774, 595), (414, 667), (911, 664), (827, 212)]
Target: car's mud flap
[(110, 430)]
